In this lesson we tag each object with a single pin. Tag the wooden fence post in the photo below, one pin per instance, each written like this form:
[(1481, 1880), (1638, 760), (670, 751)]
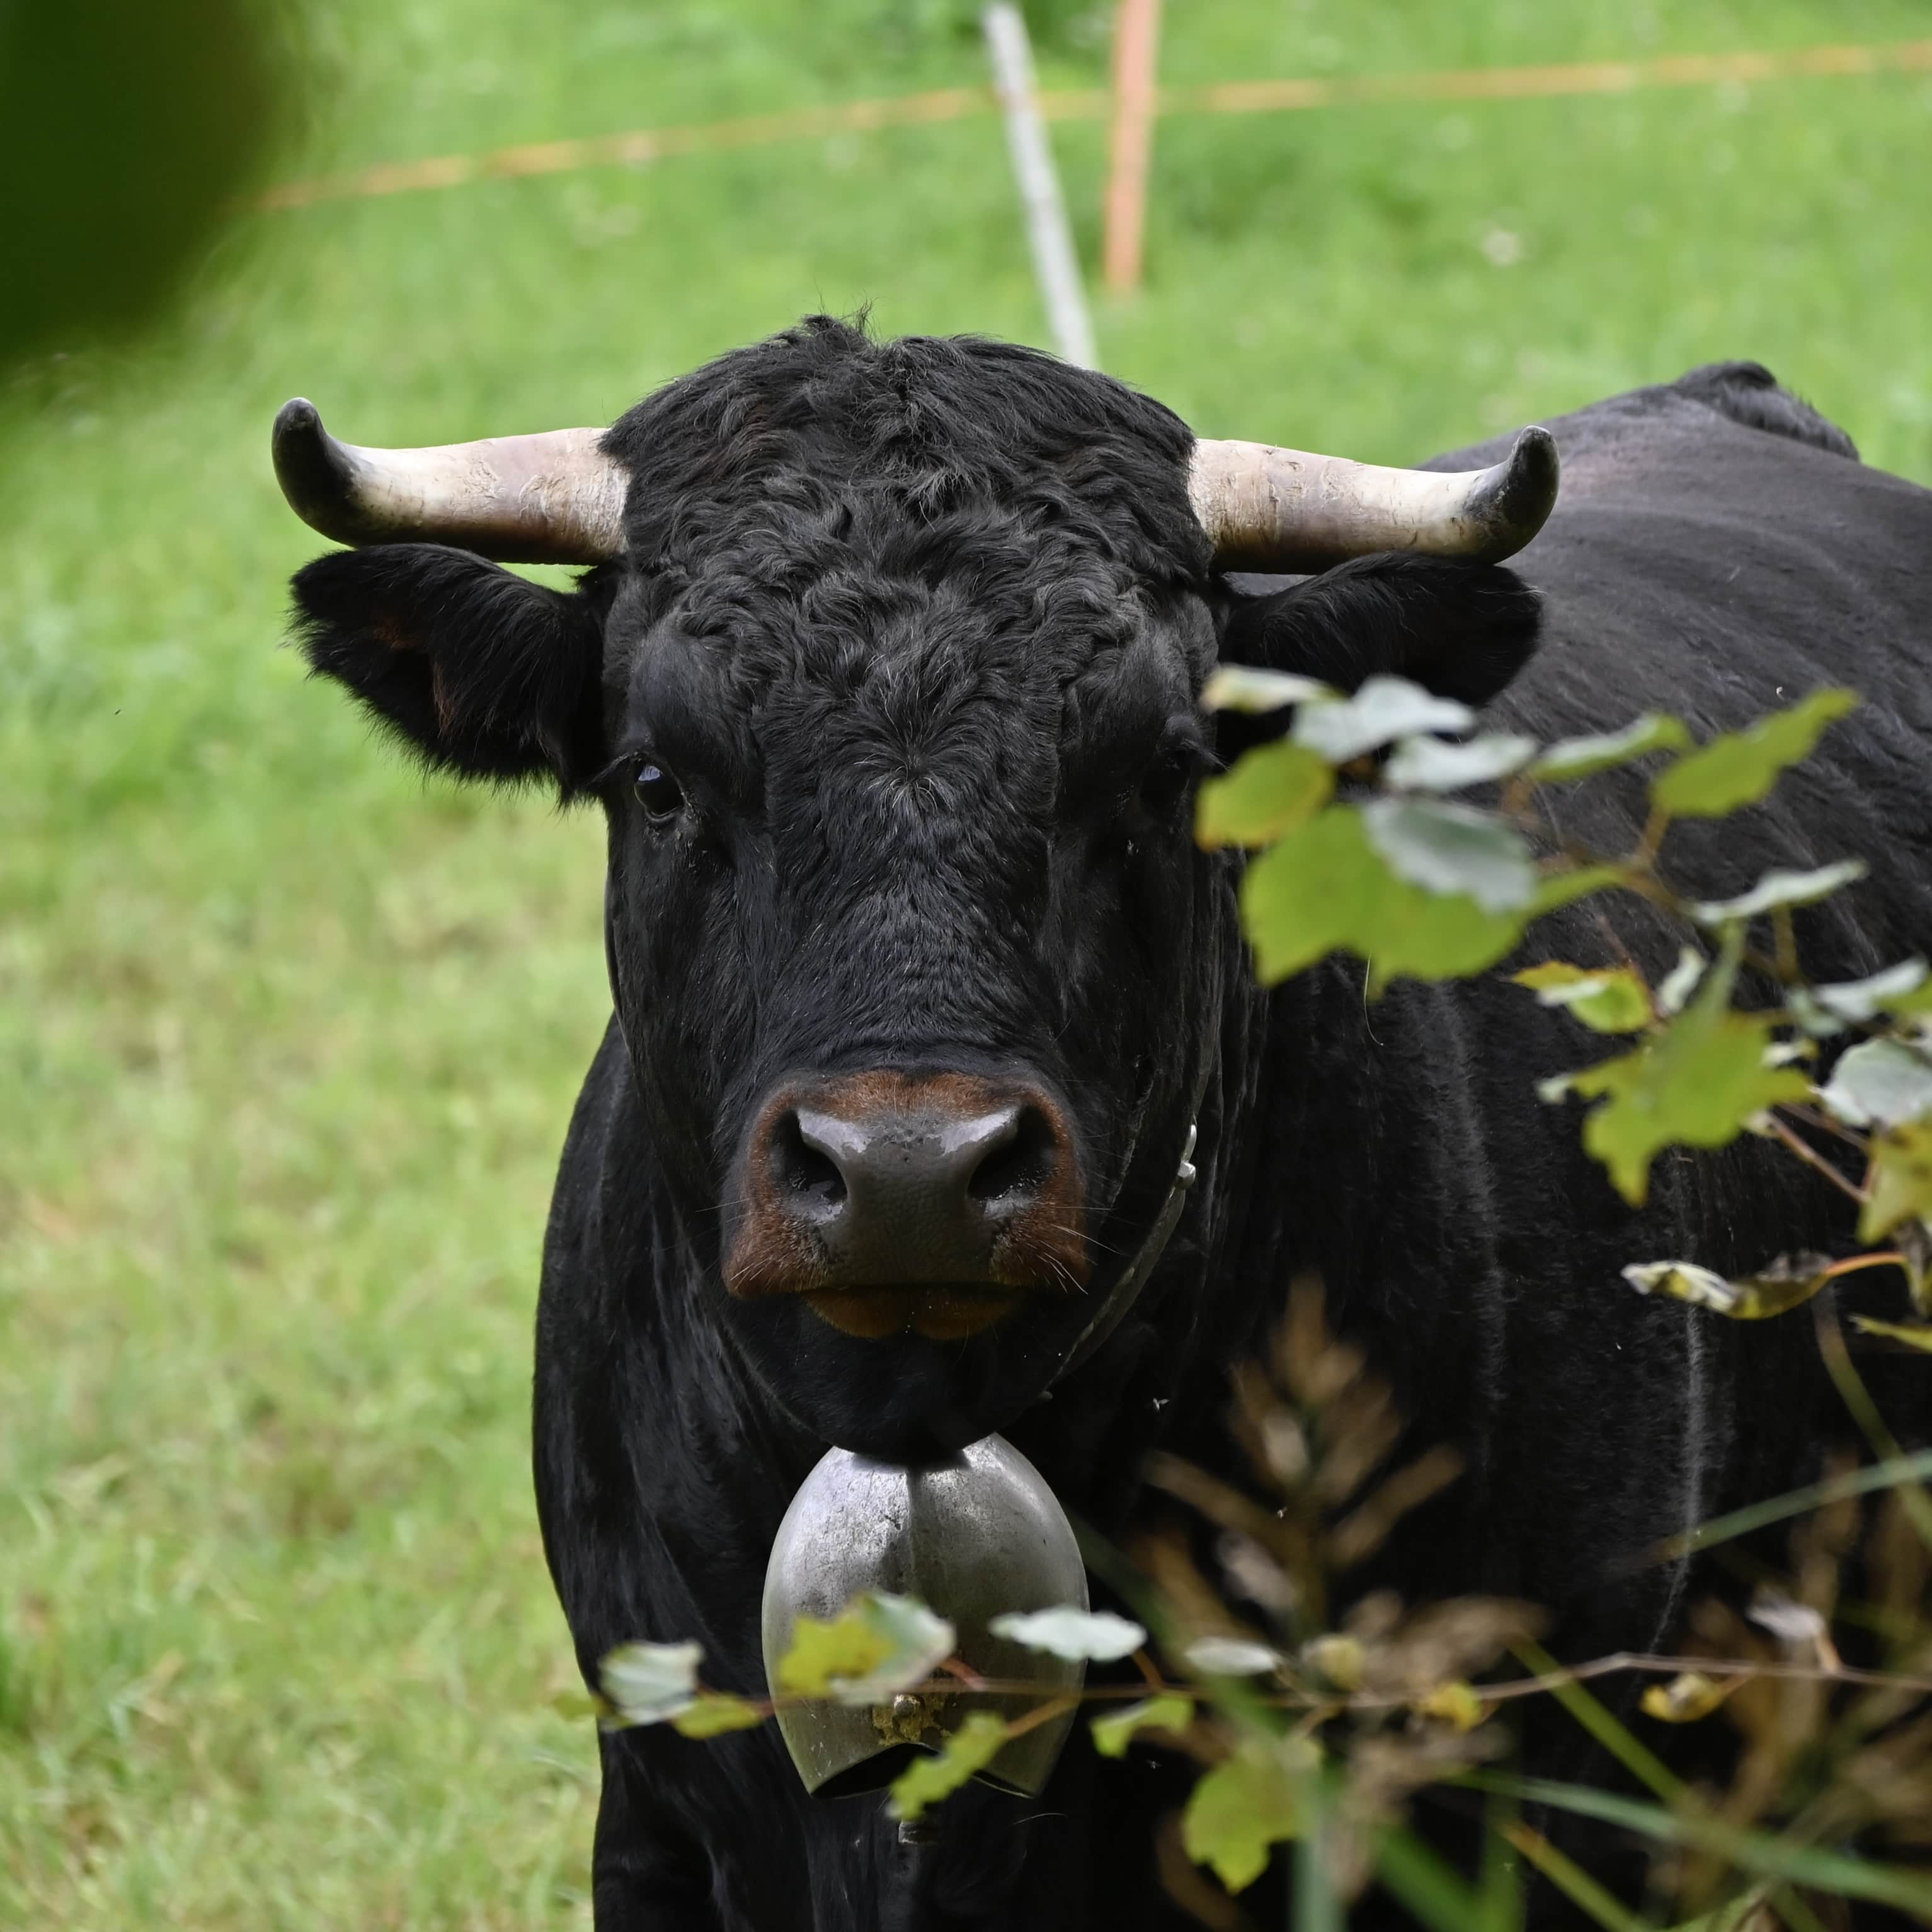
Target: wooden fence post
[(1130, 144)]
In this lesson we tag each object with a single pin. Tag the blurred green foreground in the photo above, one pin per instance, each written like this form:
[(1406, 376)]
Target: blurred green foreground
[(288, 1038)]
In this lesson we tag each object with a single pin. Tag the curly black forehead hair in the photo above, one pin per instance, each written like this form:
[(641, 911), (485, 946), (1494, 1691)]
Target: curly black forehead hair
[(908, 435)]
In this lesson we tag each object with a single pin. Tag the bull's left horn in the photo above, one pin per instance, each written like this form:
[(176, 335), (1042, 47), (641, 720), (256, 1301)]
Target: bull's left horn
[(552, 498), (1269, 509)]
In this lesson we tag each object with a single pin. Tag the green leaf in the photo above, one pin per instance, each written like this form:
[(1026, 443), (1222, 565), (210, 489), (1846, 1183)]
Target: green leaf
[(1231, 1657), (1324, 887), (1244, 687), (1112, 1733), (1429, 764), (1698, 1083), (1687, 1698), (1608, 999), (1780, 888), (1799, 1625), (131, 135), (927, 1779), (1453, 1702), (1452, 848), (714, 1714), (1246, 1805), (878, 1645), (1913, 1334), (1095, 1636), (1270, 790), (1860, 999), (1899, 1185), (918, 1641), (647, 1683), (1675, 988), (1583, 757), (1698, 1087), (821, 1649), (1338, 1659), (1789, 1282), (1738, 768), (1383, 709), (1880, 1082), (1809, 1016)]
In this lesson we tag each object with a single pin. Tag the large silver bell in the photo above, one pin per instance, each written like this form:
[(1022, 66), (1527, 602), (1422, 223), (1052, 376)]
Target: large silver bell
[(976, 1535)]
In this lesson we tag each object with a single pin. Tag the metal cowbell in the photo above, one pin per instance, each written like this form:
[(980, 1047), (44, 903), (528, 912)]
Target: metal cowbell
[(972, 1536)]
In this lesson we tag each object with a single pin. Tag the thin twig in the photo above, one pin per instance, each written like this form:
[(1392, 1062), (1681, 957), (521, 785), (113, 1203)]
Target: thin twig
[(1641, 1663), (1796, 1143), (1709, 1666), (1816, 1117), (1786, 940), (1042, 1713), (1655, 828), (1851, 1264)]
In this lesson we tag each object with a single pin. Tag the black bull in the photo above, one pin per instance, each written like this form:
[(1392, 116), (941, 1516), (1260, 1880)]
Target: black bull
[(891, 708)]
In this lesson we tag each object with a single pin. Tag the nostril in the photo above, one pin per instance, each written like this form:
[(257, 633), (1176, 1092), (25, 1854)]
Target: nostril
[(809, 1177), (1022, 1162)]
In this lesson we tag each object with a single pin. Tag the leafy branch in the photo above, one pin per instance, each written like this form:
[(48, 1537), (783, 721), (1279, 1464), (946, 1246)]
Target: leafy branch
[(1315, 1735), (1365, 841)]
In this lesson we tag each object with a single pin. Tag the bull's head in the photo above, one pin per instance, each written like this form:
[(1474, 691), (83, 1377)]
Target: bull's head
[(885, 676)]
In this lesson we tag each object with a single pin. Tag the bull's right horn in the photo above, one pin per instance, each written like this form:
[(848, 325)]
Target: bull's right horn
[(551, 498), (1286, 511)]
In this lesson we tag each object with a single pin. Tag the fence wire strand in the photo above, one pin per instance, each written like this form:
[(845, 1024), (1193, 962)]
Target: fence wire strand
[(642, 146)]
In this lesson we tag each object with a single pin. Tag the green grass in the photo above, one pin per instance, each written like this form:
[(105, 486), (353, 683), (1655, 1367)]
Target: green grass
[(288, 1038)]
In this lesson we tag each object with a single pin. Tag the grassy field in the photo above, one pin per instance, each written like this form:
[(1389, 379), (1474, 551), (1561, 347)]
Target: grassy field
[(288, 1038)]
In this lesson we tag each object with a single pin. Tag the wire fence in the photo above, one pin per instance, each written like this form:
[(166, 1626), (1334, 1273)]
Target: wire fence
[(642, 146)]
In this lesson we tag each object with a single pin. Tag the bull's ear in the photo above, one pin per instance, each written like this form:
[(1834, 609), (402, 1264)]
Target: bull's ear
[(1463, 630), (484, 674)]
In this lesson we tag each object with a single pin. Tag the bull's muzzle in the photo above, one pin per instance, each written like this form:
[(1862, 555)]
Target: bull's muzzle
[(893, 1202)]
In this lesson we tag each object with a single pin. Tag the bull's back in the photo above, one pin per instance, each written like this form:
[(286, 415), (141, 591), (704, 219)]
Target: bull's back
[(1701, 564)]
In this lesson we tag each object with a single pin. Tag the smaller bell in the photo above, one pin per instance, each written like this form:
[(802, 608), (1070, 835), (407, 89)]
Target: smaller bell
[(974, 1535)]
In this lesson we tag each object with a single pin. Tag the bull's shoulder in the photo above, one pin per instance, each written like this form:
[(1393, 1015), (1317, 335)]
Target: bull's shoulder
[(1700, 407)]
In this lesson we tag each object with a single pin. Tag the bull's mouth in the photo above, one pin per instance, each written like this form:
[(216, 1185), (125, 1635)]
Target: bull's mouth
[(941, 1311)]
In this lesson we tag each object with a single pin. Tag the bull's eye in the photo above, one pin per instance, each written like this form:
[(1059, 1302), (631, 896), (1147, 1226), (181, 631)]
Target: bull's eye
[(658, 792)]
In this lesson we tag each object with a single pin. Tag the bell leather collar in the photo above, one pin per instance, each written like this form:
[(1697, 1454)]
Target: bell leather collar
[(1126, 1291)]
